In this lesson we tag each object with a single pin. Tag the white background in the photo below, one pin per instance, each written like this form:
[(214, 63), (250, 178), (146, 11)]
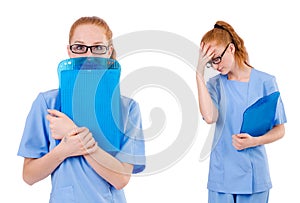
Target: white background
[(34, 35)]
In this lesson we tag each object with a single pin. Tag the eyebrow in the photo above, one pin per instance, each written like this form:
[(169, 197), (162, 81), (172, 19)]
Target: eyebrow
[(81, 42)]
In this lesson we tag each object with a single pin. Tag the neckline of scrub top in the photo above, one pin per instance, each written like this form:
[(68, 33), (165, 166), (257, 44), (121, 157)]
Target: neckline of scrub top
[(238, 81)]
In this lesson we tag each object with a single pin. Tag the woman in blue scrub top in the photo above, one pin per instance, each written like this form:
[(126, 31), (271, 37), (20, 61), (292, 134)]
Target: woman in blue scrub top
[(80, 170), (238, 171)]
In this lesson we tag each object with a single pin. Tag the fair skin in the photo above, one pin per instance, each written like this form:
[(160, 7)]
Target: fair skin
[(78, 141), (209, 111)]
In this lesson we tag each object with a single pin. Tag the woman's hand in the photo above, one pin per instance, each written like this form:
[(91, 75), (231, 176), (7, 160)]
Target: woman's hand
[(243, 141), (60, 124), (79, 141), (206, 53)]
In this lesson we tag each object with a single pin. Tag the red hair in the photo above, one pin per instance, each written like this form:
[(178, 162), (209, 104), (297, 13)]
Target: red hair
[(222, 34), (94, 21)]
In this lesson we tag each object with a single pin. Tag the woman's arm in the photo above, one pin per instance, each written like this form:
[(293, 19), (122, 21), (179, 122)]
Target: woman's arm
[(108, 167), (273, 135), (208, 110), (36, 169), (244, 140), (112, 170)]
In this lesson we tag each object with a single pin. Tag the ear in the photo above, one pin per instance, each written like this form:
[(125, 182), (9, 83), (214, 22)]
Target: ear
[(232, 48), (110, 51), (69, 51)]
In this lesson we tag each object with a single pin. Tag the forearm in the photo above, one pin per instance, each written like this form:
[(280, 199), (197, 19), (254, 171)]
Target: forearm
[(112, 170), (207, 109), (36, 169), (274, 134)]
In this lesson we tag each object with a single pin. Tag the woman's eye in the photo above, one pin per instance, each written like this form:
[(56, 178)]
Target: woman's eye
[(216, 60), (79, 47), (100, 47)]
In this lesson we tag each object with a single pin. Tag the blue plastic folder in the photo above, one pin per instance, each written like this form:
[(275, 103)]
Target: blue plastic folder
[(259, 118), (90, 96)]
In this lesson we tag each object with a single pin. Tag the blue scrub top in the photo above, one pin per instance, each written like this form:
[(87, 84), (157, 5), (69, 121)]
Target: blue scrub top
[(239, 171), (74, 180)]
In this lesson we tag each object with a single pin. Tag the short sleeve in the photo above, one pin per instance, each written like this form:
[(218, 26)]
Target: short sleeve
[(133, 146), (213, 89), (35, 139), (271, 86), (280, 116)]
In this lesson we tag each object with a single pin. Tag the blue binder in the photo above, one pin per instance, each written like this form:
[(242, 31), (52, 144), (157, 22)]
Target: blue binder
[(90, 96), (259, 118)]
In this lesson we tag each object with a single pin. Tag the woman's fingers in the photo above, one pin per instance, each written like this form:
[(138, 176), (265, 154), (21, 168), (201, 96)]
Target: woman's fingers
[(79, 142), (55, 113), (86, 138)]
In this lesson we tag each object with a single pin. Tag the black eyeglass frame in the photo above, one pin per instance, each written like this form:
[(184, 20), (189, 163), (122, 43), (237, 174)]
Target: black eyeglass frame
[(218, 59), (89, 47)]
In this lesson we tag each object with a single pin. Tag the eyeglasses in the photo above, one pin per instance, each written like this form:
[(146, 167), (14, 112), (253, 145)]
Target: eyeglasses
[(82, 49), (218, 59)]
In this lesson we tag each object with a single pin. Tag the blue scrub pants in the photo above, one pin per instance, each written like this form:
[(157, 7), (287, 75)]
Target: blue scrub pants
[(218, 197)]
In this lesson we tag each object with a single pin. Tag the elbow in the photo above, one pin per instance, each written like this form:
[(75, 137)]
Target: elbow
[(282, 131), (278, 131), (28, 180), (122, 182), (28, 174), (209, 120)]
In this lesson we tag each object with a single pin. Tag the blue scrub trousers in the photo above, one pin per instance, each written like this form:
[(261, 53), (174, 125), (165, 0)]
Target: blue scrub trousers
[(218, 197)]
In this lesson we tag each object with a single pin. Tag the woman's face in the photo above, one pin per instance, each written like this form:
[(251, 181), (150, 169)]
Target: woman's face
[(89, 35), (223, 58)]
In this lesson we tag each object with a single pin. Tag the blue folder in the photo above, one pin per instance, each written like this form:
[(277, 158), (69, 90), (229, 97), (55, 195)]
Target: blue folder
[(90, 96), (259, 118)]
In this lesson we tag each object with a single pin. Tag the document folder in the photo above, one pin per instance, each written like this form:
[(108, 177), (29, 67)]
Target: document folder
[(259, 118), (90, 96)]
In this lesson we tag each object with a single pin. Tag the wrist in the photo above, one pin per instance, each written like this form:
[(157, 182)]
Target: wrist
[(200, 77), (60, 151), (257, 141), (200, 69)]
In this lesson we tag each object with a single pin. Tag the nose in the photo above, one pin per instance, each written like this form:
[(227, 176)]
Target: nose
[(88, 53)]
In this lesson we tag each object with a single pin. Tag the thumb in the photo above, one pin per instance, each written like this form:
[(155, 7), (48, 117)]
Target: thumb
[(56, 113), (242, 135), (76, 130)]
